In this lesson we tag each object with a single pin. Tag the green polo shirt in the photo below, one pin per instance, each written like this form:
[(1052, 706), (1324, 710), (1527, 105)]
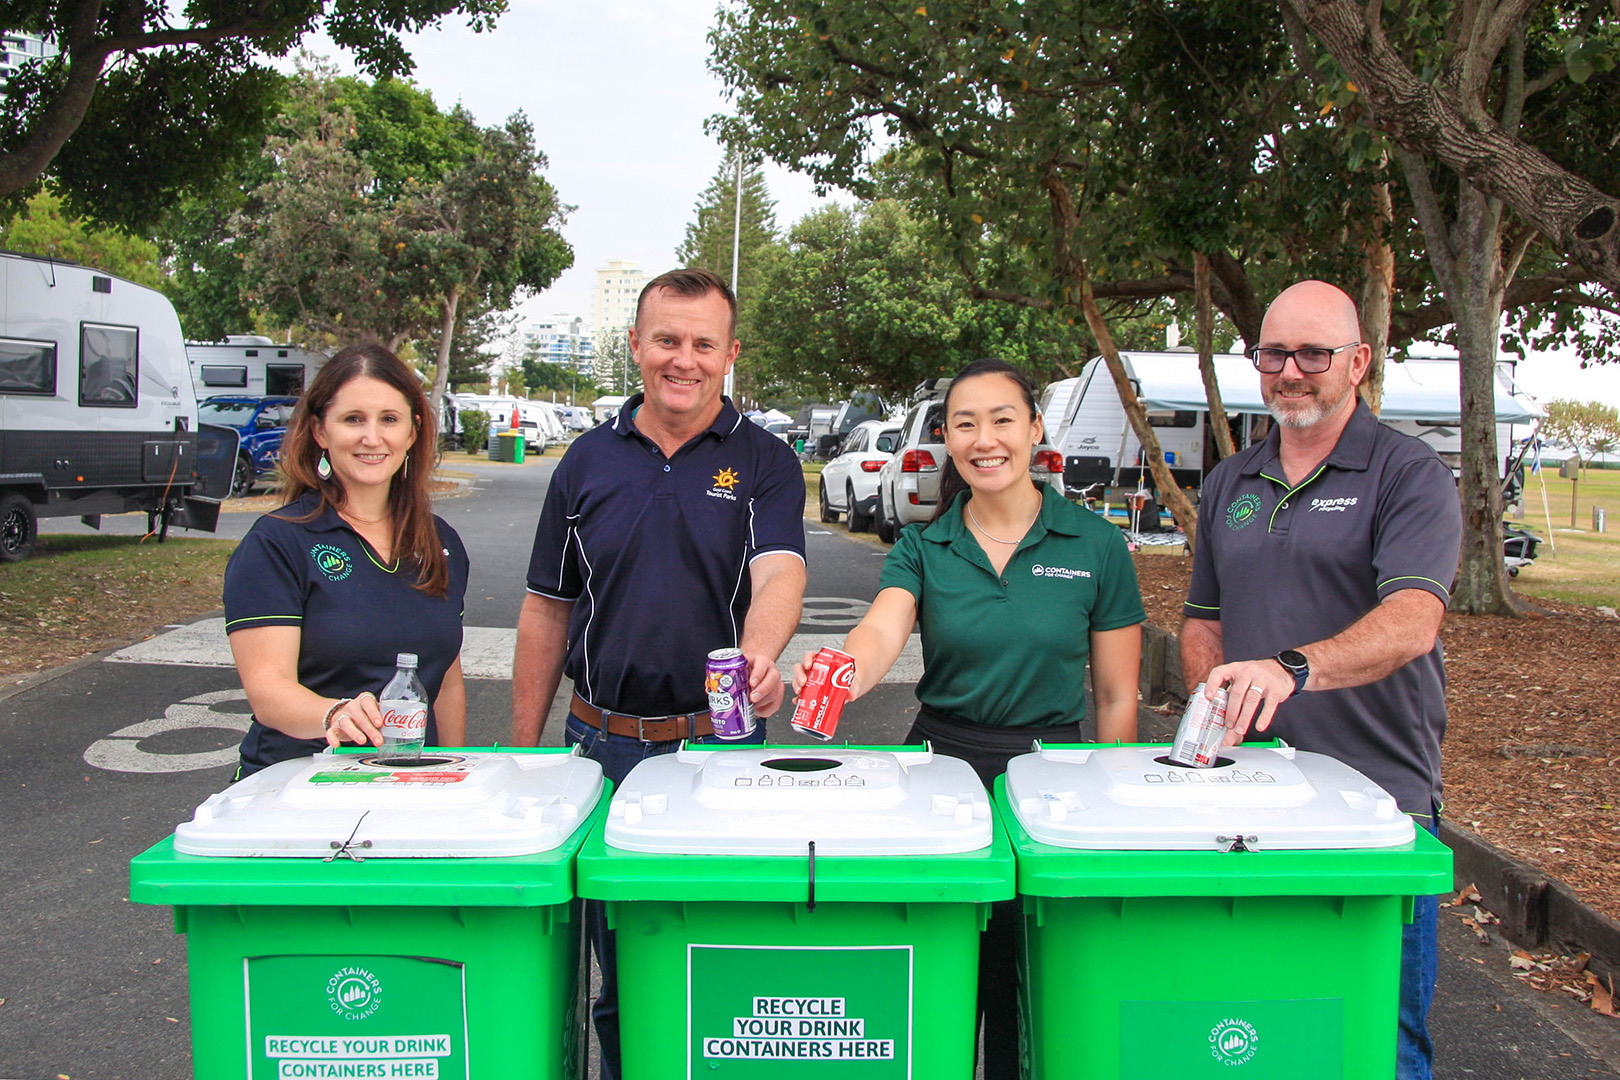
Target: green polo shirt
[(1010, 649)]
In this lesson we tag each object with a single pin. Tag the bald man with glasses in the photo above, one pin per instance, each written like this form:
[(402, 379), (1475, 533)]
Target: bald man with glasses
[(1324, 564)]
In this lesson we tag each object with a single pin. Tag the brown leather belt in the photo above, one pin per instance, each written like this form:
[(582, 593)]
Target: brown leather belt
[(646, 728)]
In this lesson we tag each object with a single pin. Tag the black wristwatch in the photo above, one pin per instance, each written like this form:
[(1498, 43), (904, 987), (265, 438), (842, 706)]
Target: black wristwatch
[(1294, 662)]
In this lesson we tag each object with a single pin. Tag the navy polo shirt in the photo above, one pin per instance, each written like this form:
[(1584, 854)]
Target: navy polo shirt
[(354, 614), (1282, 566), (654, 553)]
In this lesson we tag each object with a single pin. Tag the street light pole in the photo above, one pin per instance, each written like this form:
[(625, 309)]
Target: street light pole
[(736, 247)]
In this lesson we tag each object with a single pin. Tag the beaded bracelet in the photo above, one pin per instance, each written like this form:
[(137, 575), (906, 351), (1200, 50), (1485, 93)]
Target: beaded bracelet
[(326, 724)]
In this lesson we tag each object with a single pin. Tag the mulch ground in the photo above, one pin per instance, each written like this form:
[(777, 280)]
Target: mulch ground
[(1532, 748)]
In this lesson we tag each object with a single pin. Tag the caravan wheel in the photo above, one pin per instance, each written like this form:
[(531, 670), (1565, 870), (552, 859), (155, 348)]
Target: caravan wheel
[(18, 528)]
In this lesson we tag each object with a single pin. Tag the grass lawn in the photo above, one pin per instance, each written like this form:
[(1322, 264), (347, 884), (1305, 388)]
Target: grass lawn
[(1585, 567), (81, 594)]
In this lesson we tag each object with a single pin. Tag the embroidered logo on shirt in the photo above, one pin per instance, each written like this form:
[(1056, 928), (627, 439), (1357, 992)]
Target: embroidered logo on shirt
[(1330, 506), (1244, 509), (724, 481), (334, 562), (1064, 572)]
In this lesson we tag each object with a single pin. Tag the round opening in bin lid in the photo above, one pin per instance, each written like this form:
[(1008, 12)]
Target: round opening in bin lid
[(1127, 798), (759, 801), (476, 804)]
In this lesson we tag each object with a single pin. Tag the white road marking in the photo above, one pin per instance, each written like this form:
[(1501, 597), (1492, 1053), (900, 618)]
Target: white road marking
[(121, 751), (486, 651)]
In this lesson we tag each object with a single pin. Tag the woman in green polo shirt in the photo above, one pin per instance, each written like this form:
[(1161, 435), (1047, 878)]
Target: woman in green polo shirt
[(1014, 590)]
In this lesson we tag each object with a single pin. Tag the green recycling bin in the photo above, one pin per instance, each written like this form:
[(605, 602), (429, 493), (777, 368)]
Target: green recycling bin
[(350, 918), (1237, 921), (509, 446), (798, 912)]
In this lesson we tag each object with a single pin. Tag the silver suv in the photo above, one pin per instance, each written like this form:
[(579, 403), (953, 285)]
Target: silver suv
[(908, 485)]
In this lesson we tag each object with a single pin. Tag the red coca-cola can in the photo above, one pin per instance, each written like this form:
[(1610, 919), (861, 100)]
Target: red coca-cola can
[(821, 702)]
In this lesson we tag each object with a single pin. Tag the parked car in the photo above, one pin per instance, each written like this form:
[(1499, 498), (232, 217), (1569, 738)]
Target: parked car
[(908, 483), (261, 422), (849, 480)]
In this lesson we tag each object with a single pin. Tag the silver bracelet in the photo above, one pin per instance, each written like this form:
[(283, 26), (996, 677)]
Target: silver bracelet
[(326, 724)]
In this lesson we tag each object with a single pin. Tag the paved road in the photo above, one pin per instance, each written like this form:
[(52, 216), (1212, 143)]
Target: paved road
[(102, 760)]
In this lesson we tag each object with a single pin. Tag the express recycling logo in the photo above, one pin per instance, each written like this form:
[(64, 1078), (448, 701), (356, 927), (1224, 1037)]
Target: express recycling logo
[(334, 562), (1233, 1041), (1243, 511)]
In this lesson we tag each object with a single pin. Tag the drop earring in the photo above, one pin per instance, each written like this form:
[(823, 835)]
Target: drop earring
[(323, 468), (405, 469)]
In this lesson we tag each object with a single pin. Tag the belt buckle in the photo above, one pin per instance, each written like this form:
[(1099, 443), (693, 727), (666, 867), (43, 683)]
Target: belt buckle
[(641, 728)]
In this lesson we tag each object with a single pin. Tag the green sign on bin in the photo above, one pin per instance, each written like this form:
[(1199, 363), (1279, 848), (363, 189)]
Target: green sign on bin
[(340, 1017), (772, 1012), (1254, 1040)]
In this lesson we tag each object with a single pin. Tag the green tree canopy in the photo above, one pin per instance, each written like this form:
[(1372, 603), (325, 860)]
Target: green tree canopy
[(43, 227), (145, 102)]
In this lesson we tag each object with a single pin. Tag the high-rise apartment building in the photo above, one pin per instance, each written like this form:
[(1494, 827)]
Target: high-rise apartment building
[(563, 339), (17, 48), (613, 301)]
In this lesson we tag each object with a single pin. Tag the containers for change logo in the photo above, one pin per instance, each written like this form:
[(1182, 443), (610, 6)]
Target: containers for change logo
[(354, 993), (1233, 1041), (1244, 509), (332, 561)]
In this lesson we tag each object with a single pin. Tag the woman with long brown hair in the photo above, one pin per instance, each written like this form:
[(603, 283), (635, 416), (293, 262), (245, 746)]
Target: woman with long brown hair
[(325, 592)]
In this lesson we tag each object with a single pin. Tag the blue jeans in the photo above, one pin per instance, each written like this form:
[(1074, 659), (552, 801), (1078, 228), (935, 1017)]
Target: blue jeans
[(1420, 964), (618, 754)]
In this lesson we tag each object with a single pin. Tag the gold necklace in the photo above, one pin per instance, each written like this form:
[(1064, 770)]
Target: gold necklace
[(987, 534)]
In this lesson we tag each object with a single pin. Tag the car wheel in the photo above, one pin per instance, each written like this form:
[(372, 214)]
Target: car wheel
[(885, 528), (242, 479), (828, 514), (18, 528), (858, 522)]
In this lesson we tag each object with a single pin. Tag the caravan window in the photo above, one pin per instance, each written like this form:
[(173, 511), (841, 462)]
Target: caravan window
[(284, 380), (108, 365), (224, 375), (1175, 418), (28, 367)]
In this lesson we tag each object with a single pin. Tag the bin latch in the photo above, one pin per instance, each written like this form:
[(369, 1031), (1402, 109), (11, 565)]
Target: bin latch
[(1236, 843), (346, 848), (810, 905)]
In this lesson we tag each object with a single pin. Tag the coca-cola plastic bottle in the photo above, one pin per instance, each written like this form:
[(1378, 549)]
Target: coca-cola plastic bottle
[(404, 710)]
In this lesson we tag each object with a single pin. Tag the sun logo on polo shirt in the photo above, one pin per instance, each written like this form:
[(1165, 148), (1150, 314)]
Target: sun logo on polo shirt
[(724, 481), (334, 562)]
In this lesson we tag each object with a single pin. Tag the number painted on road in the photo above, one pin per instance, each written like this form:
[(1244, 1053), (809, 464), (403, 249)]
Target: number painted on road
[(121, 750)]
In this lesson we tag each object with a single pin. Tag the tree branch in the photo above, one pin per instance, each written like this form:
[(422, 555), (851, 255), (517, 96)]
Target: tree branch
[(1575, 216)]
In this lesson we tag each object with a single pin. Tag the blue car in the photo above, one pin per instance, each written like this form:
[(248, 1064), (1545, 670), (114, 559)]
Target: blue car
[(261, 422)]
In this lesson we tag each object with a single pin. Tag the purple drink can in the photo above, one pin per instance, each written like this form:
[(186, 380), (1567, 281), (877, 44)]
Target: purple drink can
[(725, 680), (1202, 730)]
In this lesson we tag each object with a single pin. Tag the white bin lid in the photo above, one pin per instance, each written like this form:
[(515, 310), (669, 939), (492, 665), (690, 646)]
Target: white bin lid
[(774, 801), (1127, 798), (481, 805)]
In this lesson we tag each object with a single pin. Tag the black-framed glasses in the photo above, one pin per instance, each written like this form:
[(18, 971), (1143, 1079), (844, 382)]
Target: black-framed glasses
[(1310, 361)]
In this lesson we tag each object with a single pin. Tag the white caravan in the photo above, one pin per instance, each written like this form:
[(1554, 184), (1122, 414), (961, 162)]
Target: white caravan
[(251, 364), (1099, 446), (97, 411)]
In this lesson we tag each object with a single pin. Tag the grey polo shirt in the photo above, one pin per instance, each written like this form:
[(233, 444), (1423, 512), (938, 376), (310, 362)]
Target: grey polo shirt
[(1283, 566)]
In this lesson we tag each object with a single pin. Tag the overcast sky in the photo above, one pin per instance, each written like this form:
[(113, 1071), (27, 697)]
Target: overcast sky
[(618, 91)]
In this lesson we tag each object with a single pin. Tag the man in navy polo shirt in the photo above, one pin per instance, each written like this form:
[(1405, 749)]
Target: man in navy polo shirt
[(1325, 558), (676, 530)]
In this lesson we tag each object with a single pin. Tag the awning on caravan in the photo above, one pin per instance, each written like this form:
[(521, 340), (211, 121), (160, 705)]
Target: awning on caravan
[(1414, 390)]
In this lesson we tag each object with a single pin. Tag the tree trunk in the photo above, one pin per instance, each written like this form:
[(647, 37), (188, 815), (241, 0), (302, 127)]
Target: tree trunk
[(1170, 494), (1220, 429), (1377, 296), (1476, 300), (441, 368)]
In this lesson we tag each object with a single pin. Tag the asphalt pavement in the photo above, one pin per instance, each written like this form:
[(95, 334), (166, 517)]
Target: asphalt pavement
[(104, 756)]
